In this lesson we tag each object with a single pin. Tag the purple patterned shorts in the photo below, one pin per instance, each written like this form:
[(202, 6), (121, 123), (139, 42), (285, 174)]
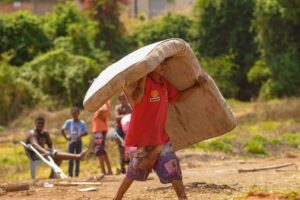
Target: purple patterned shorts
[(99, 143), (160, 158)]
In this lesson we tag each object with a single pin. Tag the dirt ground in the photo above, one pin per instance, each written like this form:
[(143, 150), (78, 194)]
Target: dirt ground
[(206, 176)]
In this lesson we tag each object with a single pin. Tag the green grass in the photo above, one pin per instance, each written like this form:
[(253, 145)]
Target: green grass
[(256, 145), (292, 139), (215, 145), (15, 164)]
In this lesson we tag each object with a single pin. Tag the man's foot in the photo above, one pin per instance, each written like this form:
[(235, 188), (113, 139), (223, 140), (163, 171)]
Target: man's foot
[(109, 173), (83, 155)]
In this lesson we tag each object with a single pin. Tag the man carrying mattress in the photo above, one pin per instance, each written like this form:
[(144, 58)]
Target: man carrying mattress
[(147, 132)]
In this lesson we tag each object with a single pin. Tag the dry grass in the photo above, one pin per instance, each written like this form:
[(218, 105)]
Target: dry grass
[(276, 122)]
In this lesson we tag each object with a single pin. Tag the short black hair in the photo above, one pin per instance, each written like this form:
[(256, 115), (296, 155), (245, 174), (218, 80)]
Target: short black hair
[(39, 119), (75, 108)]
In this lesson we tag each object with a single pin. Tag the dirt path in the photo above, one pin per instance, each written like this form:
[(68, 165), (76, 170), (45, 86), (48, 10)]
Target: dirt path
[(206, 176)]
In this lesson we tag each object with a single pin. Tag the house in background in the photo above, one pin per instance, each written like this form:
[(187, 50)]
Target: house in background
[(39, 7), (153, 8), (148, 8)]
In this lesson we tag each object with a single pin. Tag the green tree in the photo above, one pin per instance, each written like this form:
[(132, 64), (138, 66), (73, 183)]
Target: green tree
[(16, 93), (169, 26), (278, 26), (222, 70), (61, 75), (107, 15), (22, 33), (74, 31), (224, 27)]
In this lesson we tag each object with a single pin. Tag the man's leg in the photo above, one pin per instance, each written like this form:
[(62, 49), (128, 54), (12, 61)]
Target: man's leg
[(68, 156), (102, 166), (71, 149), (179, 189), (77, 162), (123, 188), (52, 173), (169, 171), (106, 160)]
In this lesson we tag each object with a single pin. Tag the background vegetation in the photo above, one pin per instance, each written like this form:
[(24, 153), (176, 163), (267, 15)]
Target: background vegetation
[(250, 47)]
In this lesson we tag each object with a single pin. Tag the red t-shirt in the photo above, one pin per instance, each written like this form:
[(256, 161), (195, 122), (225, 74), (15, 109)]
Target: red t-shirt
[(148, 118)]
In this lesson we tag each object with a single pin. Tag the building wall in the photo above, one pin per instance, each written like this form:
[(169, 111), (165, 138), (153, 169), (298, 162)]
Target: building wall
[(153, 8), (42, 7), (11, 7), (39, 7)]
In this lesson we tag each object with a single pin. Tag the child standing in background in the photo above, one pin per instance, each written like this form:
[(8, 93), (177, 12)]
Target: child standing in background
[(76, 129), (100, 127)]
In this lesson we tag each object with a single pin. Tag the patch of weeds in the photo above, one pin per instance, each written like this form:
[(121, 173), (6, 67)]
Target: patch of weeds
[(293, 139), (215, 145), (229, 138), (257, 145), (275, 141)]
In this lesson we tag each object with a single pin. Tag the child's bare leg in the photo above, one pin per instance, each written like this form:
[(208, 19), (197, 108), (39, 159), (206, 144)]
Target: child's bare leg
[(179, 189), (102, 166), (123, 188), (106, 159)]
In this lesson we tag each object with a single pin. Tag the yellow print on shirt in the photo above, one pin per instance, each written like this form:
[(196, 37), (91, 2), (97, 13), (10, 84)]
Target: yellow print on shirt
[(154, 96)]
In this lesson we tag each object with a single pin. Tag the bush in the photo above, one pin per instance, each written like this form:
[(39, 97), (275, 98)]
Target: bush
[(16, 94), (74, 31), (224, 27), (222, 70), (23, 34), (256, 145), (63, 76), (169, 26), (277, 24)]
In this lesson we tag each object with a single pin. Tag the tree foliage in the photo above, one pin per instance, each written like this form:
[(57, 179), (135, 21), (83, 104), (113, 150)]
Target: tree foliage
[(74, 31), (224, 27), (222, 70), (169, 26), (61, 75), (22, 34), (277, 23), (16, 93)]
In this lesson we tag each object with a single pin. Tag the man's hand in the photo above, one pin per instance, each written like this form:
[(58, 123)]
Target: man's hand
[(46, 153), (202, 78)]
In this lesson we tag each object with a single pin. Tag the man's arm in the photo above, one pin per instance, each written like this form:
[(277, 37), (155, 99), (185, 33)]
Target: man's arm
[(64, 134), (85, 130), (35, 144), (201, 80), (138, 93), (118, 116)]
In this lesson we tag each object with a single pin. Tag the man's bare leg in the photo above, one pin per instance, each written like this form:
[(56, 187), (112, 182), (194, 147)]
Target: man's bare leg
[(123, 188), (179, 189), (102, 166), (69, 156), (106, 160), (52, 173)]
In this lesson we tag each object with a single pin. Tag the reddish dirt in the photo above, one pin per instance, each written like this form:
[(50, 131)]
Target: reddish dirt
[(206, 176)]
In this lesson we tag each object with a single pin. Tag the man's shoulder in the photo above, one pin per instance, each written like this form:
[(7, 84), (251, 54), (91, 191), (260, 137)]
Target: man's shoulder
[(118, 106), (82, 122)]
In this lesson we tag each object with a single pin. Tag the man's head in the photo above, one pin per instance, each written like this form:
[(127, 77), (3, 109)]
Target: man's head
[(39, 123), (75, 113), (122, 98), (160, 67)]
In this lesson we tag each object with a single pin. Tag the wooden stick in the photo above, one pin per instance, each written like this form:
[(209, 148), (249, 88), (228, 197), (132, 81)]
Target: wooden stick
[(266, 168), (74, 183), (15, 187)]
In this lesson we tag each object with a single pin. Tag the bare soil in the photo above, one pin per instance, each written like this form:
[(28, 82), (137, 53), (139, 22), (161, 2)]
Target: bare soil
[(206, 176)]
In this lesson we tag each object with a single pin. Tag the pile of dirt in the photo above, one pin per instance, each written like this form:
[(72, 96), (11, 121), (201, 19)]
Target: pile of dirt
[(269, 196)]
